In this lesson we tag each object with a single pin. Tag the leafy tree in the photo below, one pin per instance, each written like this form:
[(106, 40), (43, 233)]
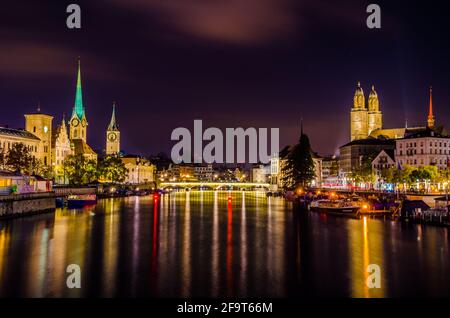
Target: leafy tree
[(387, 174), (364, 173), (80, 170), (20, 159), (112, 169), (409, 175), (424, 174), (2, 159)]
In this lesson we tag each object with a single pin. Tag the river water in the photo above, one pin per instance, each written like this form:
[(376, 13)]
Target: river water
[(218, 244)]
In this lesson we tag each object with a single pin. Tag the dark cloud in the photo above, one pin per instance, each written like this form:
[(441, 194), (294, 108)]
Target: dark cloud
[(231, 21)]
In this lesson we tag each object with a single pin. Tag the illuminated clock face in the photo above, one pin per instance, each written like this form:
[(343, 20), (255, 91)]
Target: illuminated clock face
[(112, 137), (75, 122), (83, 122)]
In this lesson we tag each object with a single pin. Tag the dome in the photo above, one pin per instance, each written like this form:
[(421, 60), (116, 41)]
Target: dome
[(374, 104), (359, 91), (358, 99), (373, 93)]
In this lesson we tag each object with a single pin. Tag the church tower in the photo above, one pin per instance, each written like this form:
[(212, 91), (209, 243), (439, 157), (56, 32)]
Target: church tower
[(375, 118), (359, 116), (430, 121), (40, 125), (113, 135), (78, 122)]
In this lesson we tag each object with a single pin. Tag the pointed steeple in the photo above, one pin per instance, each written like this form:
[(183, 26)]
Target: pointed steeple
[(301, 126), (430, 120), (113, 124), (63, 122), (78, 109)]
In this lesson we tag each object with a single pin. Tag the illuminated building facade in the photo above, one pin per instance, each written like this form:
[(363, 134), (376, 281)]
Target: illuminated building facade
[(365, 120), (140, 170)]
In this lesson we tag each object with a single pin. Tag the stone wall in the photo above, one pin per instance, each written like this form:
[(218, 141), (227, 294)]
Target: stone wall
[(22, 204)]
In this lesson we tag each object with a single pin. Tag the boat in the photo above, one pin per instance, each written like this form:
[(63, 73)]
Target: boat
[(80, 201), (340, 207)]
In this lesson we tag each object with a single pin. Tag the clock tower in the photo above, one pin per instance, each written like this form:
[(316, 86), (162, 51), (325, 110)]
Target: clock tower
[(78, 122), (113, 135)]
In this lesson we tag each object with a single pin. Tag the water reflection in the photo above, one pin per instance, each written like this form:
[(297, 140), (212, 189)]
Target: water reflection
[(217, 244)]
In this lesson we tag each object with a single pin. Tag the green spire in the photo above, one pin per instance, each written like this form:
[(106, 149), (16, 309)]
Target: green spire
[(112, 123), (78, 108)]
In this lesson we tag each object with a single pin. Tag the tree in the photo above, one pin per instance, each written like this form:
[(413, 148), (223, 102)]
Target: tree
[(387, 174), (112, 169), (364, 173), (80, 170), (299, 166), (20, 159), (2, 159)]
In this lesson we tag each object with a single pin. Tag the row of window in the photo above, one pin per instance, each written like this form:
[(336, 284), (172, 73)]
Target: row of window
[(414, 144), (421, 161), (410, 152), (7, 145), (62, 153), (382, 166)]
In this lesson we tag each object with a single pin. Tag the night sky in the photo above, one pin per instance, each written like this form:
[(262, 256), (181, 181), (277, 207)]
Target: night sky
[(232, 63)]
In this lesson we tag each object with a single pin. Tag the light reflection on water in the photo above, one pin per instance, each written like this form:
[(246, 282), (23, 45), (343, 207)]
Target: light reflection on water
[(204, 244)]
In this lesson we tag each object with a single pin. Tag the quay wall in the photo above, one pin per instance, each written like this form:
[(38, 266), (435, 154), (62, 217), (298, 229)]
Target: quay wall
[(24, 204), (66, 191)]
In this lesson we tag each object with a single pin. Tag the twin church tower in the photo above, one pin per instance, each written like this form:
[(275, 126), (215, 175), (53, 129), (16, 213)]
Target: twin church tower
[(365, 120)]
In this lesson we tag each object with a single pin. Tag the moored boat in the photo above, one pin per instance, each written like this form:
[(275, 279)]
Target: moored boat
[(340, 207), (80, 201)]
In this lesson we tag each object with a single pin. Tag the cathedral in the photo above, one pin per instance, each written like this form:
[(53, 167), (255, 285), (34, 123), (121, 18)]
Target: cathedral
[(367, 122), (368, 135)]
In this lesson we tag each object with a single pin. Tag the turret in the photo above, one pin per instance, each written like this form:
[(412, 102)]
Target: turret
[(374, 104), (358, 99), (375, 119)]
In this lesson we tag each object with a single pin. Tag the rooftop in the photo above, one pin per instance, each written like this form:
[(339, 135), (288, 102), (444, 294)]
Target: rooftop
[(370, 142), (438, 132), (17, 133)]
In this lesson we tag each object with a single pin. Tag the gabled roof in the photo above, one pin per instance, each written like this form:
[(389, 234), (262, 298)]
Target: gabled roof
[(58, 130), (82, 148), (17, 133), (389, 152)]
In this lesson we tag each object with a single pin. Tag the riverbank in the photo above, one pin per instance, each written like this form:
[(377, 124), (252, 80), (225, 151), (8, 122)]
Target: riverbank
[(15, 205)]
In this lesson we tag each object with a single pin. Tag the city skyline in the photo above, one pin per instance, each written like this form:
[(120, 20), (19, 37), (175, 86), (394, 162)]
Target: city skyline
[(165, 76)]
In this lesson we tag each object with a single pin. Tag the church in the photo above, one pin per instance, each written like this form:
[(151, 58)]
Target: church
[(52, 145), (367, 134)]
